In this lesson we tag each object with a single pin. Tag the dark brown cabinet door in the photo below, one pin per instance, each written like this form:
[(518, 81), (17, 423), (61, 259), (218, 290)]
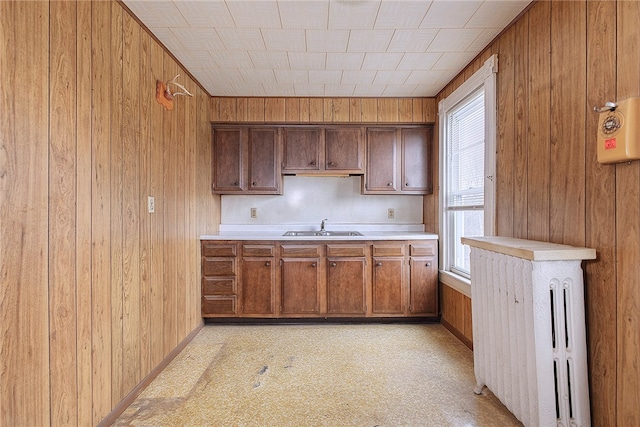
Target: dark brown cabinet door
[(382, 160), (300, 291), (301, 149), (388, 285), (346, 286), (344, 150), (258, 286), (423, 286), (264, 173), (416, 160), (228, 159)]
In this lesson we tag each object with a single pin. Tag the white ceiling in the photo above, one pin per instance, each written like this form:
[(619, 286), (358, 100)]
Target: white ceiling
[(335, 48)]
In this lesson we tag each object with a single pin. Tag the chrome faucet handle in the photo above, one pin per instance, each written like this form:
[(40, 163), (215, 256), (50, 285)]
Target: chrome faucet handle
[(322, 224)]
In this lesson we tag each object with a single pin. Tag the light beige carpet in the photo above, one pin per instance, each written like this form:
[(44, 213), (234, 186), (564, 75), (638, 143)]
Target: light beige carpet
[(319, 375)]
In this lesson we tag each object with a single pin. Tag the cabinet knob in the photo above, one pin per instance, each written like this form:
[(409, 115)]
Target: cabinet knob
[(236, 183), (267, 264), (378, 264), (428, 264), (332, 163), (389, 184), (406, 184), (254, 183), (312, 163), (313, 264), (333, 264)]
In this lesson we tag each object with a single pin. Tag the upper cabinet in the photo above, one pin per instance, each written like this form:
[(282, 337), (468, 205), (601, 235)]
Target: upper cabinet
[(246, 160), (398, 160), (323, 150)]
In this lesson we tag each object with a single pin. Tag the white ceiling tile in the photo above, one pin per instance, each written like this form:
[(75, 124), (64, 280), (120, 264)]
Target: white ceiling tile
[(390, 77), (369, 40), (418, 61), (399, 90), (307, 14), (450, 14), (309, 90), (166, 36), (198, 38), (224, 76), (327, 40), (241, 38), (401, 14), (339, 90), (205, 13), (232, 60), (381, 61), (485, 37), (258, 76), (265, 59), (369, 90), (411, 40), (419, 77), (358, 77), (278, 89), (427, 90), (254, 14), (344, 61), (285, 40), (350, 14), (325, 76), (307, 60), (292, 76), (453, 61), (194, 59), (492, 13), (158, 13), (457, 40)]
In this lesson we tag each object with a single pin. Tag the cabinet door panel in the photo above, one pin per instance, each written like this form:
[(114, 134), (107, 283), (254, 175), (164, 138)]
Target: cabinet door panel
[(301, 149), (217, 305), (416, 160), (344, 148), (424, 286), (346, 286), (264, 162), (382, 161), (300, 290), (228, 159), (258, 286), (388, 284)]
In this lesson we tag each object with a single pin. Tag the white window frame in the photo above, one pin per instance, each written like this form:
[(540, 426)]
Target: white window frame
[(485, 79)]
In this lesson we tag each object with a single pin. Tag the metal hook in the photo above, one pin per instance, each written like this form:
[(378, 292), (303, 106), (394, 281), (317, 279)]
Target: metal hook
[(608, 106)]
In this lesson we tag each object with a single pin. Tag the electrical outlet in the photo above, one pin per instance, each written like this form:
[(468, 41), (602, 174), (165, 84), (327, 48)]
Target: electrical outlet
[(254, 212), (391, 213), (151, 204)]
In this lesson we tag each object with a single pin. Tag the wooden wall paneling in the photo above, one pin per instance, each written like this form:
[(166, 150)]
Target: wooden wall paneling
[(24, 91), (101, 210), (169, 241), (84, 214), (405, 110), (327, 110), (505, 142), (116, 166), (62, 202), (417, 109), (369, 110), (628, 228), (208, 203), (521, 86), (192, 264), (292, 110), (539, 107), (430, 110), (355, 110), (255, 110), (568, 92), (341, 110), (180, 197), (131, 201), (242, 109), (305, 109), (227, 110), (387, 110), (274, 110), (215, 109), (156, 183), (147, 103), (316, 110), (600, 291)]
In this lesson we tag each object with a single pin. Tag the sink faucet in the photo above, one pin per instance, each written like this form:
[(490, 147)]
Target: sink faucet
[(322, 224)]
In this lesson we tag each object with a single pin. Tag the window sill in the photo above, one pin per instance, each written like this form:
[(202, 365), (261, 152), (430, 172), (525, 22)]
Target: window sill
[(459, 283)]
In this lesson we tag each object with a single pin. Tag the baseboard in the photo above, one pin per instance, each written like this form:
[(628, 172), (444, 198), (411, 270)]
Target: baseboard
[(129, 398), (466, 341)]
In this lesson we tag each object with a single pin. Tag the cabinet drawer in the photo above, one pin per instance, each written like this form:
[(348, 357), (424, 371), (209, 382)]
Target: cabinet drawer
[(219, 305), (219, 267), (352, 250), (218, 286), (300, 250), (388, 250), (422, 249), (258, 250), (212, 249)]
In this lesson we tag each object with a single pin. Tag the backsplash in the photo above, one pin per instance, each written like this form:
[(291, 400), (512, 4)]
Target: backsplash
[(307, 200)]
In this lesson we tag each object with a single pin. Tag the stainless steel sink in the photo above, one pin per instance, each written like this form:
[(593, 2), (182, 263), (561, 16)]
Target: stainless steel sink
[(321, 233)]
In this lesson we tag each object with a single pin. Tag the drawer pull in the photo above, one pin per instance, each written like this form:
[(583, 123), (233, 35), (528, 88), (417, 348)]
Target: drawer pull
[(312, 163), (333, 264), (332, 163), (313, 264), (267, 264), (378, 264), (254, 183), (389, 184), (236, 183), (428, 264)]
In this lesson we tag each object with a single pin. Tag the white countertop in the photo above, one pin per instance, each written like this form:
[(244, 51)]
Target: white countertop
[(275, 232)]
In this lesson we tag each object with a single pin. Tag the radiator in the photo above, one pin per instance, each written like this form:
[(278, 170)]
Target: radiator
[(529, 338)]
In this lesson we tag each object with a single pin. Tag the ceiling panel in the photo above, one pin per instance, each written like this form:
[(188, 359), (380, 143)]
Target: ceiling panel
[(367, 48)]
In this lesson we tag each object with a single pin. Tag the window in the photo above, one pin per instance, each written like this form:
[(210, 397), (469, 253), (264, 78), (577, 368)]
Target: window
[(467, 168)]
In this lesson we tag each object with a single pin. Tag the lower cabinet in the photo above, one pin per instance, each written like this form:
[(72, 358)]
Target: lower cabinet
[(311, 279)]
